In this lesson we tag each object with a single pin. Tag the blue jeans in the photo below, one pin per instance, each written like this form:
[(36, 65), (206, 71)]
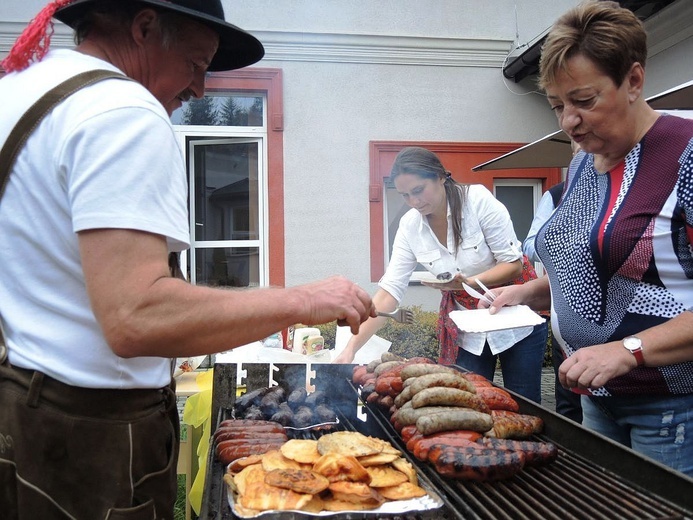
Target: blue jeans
[(521, 364), (658, 427)]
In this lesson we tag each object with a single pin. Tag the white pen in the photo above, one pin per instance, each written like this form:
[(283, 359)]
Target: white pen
[(476, 294)]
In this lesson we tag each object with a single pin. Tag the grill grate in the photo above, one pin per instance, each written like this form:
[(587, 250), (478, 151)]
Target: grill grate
[(569, 488), (592, 478)]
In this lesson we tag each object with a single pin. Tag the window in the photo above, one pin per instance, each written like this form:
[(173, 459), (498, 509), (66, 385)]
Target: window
[(227, 204), (222, 110), (231, 139), (521, 197)]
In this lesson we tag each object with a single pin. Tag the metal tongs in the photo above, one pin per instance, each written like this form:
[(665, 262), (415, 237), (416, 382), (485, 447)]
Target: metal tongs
[(489, 296)]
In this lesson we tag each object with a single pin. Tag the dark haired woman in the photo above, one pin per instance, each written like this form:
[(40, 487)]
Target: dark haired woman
[(465, 231)]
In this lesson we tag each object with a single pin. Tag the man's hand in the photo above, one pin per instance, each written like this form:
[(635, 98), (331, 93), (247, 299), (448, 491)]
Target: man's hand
[(336, 298)]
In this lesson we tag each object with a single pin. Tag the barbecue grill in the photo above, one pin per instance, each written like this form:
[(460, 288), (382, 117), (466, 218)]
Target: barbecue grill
[(593, 477)]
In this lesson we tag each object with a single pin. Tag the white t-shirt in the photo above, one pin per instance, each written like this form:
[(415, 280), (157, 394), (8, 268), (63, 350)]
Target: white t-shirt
[(488, 238), (106, 157)]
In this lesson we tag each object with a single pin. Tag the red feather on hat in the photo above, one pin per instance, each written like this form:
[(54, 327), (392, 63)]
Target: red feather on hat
[(32, 44)]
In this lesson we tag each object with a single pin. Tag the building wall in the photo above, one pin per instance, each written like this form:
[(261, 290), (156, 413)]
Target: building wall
[(368, 70), (333, 109)]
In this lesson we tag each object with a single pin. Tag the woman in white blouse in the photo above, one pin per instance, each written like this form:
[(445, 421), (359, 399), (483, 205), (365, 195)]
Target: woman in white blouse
[(462, 232)]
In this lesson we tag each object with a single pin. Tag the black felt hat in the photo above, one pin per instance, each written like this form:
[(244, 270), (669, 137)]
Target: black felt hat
[(237, 48)]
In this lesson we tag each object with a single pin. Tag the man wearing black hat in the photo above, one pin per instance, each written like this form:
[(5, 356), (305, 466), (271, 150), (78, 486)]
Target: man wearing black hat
[(95, 201)]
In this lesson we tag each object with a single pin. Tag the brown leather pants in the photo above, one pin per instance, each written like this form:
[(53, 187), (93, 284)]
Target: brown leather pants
[(80, 453)]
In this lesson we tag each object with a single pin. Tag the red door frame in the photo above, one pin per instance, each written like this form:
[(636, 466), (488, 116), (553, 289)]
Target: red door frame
[(269, 82)]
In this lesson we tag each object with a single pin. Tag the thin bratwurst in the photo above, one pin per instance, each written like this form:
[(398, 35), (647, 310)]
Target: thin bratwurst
[(455, 419), (442, 396)]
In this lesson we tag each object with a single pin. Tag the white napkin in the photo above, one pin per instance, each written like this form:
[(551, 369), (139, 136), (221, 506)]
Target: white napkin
[(480, 320)]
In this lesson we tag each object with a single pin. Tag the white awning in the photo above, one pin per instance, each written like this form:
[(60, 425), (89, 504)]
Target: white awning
[(553, 150), (678, 98)]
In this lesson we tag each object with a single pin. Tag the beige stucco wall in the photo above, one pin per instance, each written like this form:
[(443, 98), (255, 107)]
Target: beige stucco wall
[(368, 70)]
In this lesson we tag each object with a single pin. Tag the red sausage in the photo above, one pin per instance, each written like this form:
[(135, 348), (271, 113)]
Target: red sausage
[(497, 398), (231, 435), (229, 454), (485, 464), (422, 447), (536, 453)]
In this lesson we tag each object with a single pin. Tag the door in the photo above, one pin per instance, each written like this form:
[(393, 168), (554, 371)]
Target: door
[(227, 212)]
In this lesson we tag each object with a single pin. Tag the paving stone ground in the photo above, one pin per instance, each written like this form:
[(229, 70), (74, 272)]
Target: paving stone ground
[(548, 399)]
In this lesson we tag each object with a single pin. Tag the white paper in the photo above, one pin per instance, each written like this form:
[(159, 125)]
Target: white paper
[(256, 353), (480, 320), (372, 349)]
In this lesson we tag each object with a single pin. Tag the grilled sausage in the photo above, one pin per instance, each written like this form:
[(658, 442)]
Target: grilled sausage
[(389, 356), (357, 374), (446, 379), (234, 443), (230, 453), (420, 369), (497, 398), (408, 432), (511, 425), (419, 446), (468, 463), (409, 415), (385, 402), (251, 424), (456, 419), (226, 434), (415, 435), (404, 396), (372, 398), (370, 367), (441, 396), (474, 377), (387, 365), (388, 385), (536, 453)]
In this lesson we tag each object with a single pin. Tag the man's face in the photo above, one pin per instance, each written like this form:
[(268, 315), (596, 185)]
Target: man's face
[(175, 73)]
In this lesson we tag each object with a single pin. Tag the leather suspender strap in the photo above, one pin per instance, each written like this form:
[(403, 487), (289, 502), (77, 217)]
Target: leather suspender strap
[(28, 122)]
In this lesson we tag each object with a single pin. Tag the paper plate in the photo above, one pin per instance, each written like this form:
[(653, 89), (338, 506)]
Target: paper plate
[(187, 364)]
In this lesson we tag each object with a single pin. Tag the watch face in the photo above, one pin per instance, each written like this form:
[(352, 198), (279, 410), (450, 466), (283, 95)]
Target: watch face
[(632, 343)]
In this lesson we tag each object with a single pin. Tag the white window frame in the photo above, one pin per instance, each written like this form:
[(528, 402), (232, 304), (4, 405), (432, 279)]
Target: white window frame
[(537, 194), (221, 134)]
